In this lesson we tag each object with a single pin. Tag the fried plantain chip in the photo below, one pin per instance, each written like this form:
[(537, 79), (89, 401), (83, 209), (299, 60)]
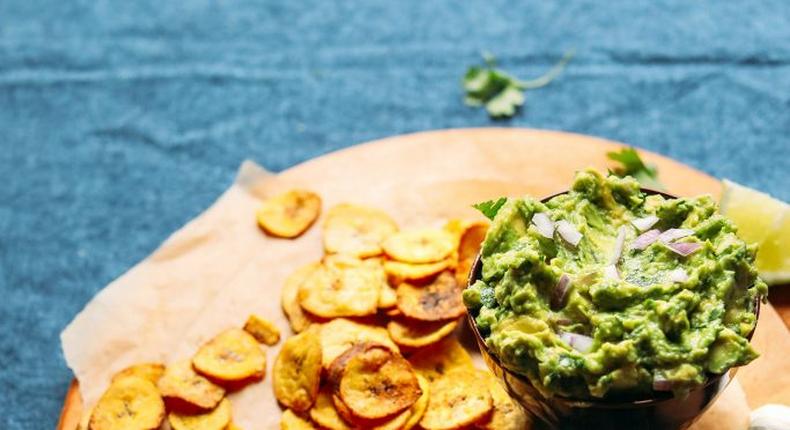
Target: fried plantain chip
[(458, 399), (377, 383), (215, 419), (297, 370), (85, 421), (340, 334), (398, 272), (233, 426), (298, 319), (149, 371), (356, 230), (263, 330), (468, 248), (291, 421), (395, 422), (419, 246), (129, 403), (342, 286), (415, 334), (393, 312), (324, 413), (417, 410), (439, 300), (506, 414), (436, 360), (181, 382), (231, 356), (289, 214)]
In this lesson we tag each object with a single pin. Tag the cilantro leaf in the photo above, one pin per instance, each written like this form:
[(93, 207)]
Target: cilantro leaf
[(632, 165), (491, 207), (499, 92)]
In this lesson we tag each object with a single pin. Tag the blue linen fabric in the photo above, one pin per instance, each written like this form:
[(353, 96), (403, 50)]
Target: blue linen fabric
[(121, 120)]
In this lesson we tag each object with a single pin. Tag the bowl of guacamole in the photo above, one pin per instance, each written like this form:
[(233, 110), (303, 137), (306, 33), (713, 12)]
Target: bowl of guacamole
[(615, 303)]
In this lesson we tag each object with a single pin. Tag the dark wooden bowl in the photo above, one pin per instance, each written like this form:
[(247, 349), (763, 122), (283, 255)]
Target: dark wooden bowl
[(661, 412)]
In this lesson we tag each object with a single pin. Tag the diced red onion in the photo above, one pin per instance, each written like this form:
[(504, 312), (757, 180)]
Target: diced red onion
[(645, 239), (674, 234), (560, 292), (610, 272), (684, 248), (544, 225), (662, 384), (645, 223), (678, 275), (578, 342), (569, 232), (618, 245)]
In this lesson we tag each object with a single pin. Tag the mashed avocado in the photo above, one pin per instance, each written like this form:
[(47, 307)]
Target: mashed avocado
[(608, 291)]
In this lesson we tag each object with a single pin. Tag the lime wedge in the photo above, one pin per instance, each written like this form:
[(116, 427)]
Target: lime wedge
[(763, 220)]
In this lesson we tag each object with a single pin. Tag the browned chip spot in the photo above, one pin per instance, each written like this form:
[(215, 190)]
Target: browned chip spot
[(180, 382), (439, 300), (129, 403), (376, 383), (338, 335), (468, 248), (289, 214)]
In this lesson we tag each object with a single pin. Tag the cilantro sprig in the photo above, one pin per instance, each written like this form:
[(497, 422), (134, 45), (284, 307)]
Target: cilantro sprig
[(491, 207), (632, 165), (500, 92)]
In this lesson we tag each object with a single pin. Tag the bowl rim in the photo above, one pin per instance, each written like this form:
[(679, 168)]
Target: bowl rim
[(711, 378)]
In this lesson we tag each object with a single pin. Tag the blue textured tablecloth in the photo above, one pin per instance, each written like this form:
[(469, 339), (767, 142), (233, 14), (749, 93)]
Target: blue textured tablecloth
[(120, 121)]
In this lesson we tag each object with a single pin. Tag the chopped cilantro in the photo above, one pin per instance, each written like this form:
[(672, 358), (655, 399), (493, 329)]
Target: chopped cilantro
[(501, 93), (632, 165), (490, 207)]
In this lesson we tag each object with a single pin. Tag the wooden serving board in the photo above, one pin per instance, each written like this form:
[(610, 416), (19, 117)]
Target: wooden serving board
[(529, 161)]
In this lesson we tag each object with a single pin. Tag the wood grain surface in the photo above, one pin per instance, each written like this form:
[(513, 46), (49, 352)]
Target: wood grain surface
[(539, 162)]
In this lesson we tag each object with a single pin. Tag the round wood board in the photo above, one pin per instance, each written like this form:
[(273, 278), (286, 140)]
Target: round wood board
[(528, 161)]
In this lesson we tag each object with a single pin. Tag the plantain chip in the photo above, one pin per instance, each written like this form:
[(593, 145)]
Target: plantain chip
[(377, 383), (149, 371), (417, 410), (181, 382), (393, 312), (356, 230), (291, 421), (458, 399), (342, 286), (231, 356), (395, 422), (440, 358), (129, 403), (324, 413), (85, 421), (297, 370), (340, 334), (263, 330), (297, 318), (215, 419), (506, 414), (398, 272), (419, 246), (439, 300), (415, 334), (233, 426), (468, 248), (289, 214)]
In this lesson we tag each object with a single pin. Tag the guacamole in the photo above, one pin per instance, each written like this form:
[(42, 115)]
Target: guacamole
[(606, 291)]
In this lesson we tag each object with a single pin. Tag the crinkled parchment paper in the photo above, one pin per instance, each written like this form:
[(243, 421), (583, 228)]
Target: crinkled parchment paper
[(219, 268)]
